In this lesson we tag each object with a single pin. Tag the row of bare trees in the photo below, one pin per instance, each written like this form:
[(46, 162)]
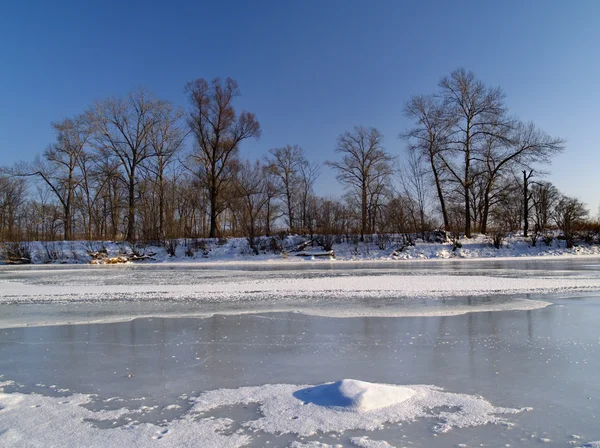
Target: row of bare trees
[(139, 168)]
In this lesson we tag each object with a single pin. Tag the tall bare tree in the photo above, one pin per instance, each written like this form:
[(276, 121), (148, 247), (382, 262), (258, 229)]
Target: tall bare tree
[(59, 166), (415, 187), (166, 139), (122, 126), (218, 132), (364, 164), (428, 139), (475, 111)]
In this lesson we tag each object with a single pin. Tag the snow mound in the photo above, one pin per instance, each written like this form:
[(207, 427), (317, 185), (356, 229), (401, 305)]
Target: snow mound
[(354, 395)]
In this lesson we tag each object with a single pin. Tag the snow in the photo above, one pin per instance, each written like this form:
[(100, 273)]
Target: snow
[(301, 410)]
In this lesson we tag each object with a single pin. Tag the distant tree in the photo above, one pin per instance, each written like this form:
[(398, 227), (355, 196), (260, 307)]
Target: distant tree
[(522, 146), (59, 166), (273, 192), (569, 213), (251, 190), (13, 201), (286, 164), (544, 197), (364, 164), (218, 132)]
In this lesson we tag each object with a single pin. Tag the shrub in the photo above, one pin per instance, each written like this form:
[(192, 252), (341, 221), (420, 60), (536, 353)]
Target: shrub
[(171, 247)]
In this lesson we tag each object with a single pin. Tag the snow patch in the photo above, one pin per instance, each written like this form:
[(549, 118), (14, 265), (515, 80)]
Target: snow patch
[(32, 419)]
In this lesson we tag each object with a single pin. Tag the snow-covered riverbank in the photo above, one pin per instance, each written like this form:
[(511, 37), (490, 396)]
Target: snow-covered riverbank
[(208, 251)]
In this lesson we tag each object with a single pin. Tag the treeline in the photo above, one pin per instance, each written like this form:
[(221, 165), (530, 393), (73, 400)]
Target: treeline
[(140, 169)]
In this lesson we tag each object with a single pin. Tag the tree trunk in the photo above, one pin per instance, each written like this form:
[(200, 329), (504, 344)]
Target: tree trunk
[(363, 223), (467, 183), (213, 213), (131, 218), (526, 201), (161, 209), (440, 193), (290, 207)]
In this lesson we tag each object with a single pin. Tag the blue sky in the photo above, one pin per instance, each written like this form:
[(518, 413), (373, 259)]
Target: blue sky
[(308, 69)]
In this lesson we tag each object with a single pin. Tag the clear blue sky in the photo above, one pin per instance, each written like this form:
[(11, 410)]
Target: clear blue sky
[(308, 69)]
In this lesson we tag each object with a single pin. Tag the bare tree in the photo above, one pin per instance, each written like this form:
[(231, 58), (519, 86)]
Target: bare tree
[(523, 146), (286, 163), (309, 173), (59, 166), (364, 163), (123, 127), (475, 111), (13, 200), (415, 186), (428, 139), (544, 196), (166, 138), (568, 214), (273, 191), (251, 190), (218, 132)]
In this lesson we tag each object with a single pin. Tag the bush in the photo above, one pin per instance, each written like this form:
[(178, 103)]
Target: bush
[(171, 247), (276, 244), (326, 242), (498, 239)]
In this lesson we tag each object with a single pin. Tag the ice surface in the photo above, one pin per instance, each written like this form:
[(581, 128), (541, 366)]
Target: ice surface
[(152, 367)]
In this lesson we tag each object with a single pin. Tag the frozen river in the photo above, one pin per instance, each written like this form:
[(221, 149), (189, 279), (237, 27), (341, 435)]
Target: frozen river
[(110, 356)]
